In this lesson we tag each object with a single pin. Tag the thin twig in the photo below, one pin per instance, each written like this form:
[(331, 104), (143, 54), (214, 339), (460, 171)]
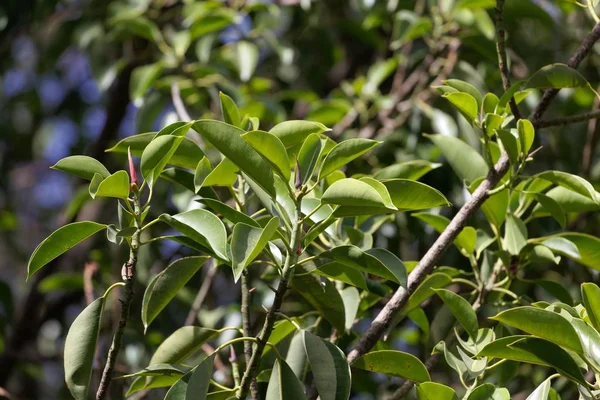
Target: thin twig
[(383, 320), (202, 293), (89, 270), (245, 308), (183, 114), (502, 59), (572, 119), (128, 275)]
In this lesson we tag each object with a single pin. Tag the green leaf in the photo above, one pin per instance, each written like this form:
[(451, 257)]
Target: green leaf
[(568, 200), (526, 134), (465, 104), (510, 143), (156, 156), (379, 262), (202, 172), (411, 195), (247, 242), (224, 174), (226, 138), (483, 392), (231, 114), (515, 234), (590, 294), (466, 239), (158, 370), (551, 206), (394, 363), (489, 103), (165, 286), (542, 391), (435, 391), (182, 344), (345, 152), (292, 133), (555, 289), (462, 310), (587, 247), (272, 149), (426, 289), (80, 348), (465, 87), (357, 193), (556, 76), (195, 383), (351, 298), (467, 163), (590, 340), (187, 154), (494, 208), (340, 272), (571, 182), (509, 94), (142, 78), (492, 123), (552, 355), (324, 297), (201, 226), (542, 323), (296, 356), (411, 170), (309, 155), (283, 384), (229, 213), (501, 348), (115, 185), (330, 369), (59, 241), (82, 166)]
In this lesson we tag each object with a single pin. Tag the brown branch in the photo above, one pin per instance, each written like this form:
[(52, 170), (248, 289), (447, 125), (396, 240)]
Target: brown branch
[(89, 270), (572, 119), (202, 293), (245, 308), (384, 319)]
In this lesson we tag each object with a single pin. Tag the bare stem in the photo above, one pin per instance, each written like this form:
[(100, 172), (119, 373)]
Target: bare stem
[(502, 59), (245, 306), (202, 293), (573, 119), (128, 275)]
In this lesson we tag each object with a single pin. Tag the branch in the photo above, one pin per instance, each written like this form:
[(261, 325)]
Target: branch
[(183, 114), (128, 275), (502, 59), (202, 293), (573, 119), (383, 320), (245, 307)]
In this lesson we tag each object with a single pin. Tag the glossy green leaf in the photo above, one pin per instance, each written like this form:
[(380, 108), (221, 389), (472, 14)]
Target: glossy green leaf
[(194, 384), (542, 391), (483, 392), (345, 152), (466, 162), (82, 166), (295, 132), (59, 241), (247, 242), (142, 78), (340, 272), (462, 310), (465, 104), (556, 76), (587, 250), (229, 213), (229, 110), (324, 297), (435, 391), (590, 341), (571, 182), (411, 170), (181, 344), (466, 239), (115, 185), (379, 262), (226, 138), (165, 286), (489, 103), (494, 208), (568, 200), (330, 369), (552, 355), (426, 289), (354, 192), (515, 234), (492, 123), (283, 384), (309, 155), (510, 143), (351, 299), (552, 206), (80, 348), (202, 171), (159, 370), (590, 294), (272, 150), (508, 95), (526, 134), (156, 156), (411, 195), (201, 226), (224, 174), (465, 87), (394, 363), (501, 348), (555, 289), (542, 323), (187, 154)]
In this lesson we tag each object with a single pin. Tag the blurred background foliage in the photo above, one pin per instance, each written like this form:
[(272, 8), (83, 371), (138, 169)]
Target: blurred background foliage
[(78, 75)]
